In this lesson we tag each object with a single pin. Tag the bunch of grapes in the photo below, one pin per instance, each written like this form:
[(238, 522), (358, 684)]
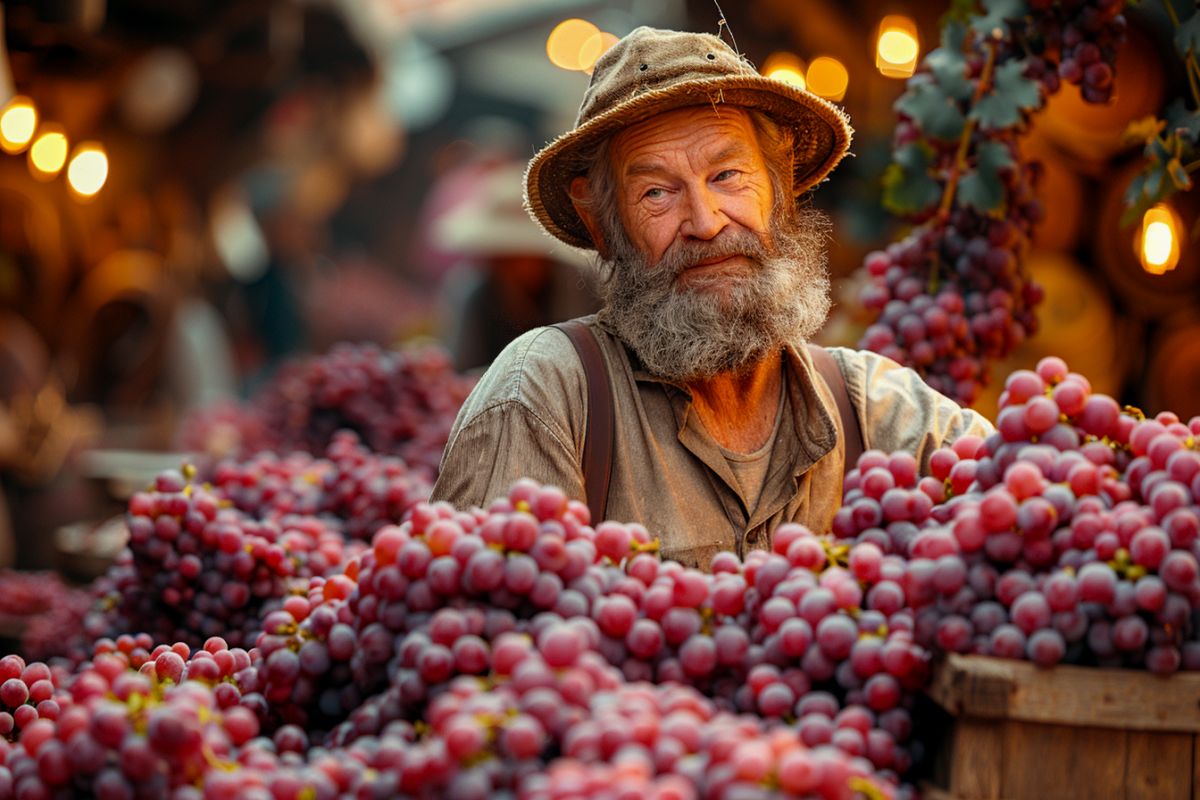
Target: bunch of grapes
[(351, 487), (1076, 43), (952, 295), (196, 568), (400, 403), (46, 611)]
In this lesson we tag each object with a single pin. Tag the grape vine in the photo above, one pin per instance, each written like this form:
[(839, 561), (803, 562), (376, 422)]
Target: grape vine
[(952, 295)]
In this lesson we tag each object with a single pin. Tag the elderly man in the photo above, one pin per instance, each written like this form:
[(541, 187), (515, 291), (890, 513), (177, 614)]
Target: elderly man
[(684, 172)]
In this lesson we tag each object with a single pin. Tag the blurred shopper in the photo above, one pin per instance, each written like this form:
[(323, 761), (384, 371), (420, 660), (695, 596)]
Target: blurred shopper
[(512, 277)]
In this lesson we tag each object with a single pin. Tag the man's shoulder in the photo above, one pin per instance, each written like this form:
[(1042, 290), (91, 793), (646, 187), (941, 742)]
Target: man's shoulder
[(538, 368)]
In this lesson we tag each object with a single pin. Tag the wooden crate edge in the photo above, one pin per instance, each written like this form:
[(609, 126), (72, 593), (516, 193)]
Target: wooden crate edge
[(997, 688)]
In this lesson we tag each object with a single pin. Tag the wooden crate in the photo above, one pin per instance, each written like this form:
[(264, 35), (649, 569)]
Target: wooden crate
[(1069, 733)]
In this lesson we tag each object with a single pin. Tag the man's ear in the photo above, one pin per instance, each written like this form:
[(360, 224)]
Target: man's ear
[(580, 192)]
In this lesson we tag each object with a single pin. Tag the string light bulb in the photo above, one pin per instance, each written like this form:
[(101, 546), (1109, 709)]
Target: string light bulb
[(88, 170), (785, 68), (1158, 241), (48, 153), (897, 47), (827, 77), (18, 123), (565, 43)]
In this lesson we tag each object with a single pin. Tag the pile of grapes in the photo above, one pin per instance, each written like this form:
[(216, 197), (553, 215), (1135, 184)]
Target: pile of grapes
[(399, 402), (255, 649)]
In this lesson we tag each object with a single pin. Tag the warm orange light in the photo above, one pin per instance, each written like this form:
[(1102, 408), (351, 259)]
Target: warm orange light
[(828, 78), (1158, 242), (18, 121), (595, 46), (786, 68), (897, 47), (88, 169), (565, 44), (48, 153)]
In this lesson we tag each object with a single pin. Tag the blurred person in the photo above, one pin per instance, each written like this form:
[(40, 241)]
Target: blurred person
[(686, 172), (513, 278)]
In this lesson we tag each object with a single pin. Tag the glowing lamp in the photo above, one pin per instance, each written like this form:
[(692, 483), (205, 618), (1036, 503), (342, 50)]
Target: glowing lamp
[(897, 47), (18, 121), (566, 42), (48, 153), (88, 169), (1158, 242), (828, 78), (786, 68)]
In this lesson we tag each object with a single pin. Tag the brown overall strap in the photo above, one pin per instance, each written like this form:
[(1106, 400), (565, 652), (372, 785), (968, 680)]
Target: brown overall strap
[(837, 384), (598, 440)]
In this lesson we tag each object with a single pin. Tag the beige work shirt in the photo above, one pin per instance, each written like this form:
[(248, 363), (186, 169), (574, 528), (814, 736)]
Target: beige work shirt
[(527, 417)]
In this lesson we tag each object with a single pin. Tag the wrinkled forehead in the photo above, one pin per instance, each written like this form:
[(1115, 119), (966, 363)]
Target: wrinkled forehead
[(684, 131)]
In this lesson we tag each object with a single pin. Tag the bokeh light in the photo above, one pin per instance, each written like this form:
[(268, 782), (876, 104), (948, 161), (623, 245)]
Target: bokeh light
[(1158, 244), (897, 47), (566, 42), (88, 169), (828, 78), (18, 121), (786, 68), (49, 152)]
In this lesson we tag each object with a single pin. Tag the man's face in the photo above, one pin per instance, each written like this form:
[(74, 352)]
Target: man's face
[(690, 176), (708, 273)]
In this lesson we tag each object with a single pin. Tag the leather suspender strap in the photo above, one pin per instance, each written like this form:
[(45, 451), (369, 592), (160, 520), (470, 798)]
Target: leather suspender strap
[(598, 440), (832, 374)]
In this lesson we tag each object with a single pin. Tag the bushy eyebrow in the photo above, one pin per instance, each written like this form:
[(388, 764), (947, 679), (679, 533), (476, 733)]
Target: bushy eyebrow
[(732, 151)]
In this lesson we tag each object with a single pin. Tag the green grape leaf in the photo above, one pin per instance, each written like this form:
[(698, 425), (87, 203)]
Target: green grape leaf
[(1178, 175), (1187, 36), (1156, 150), (1142, 129), (1185, 123), (996, 15), (934, 112), (907, 187), (948, 66), (983, 188), (1151, 186), (960, 11), (1011, 94)]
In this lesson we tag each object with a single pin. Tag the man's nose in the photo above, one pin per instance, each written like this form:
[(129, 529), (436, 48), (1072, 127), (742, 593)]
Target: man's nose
[(704, 217)]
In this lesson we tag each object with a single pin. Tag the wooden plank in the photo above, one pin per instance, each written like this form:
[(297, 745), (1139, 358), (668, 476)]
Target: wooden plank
[(1060, 762), (1196, 768), (995, 688), (1159, 766), (976, 760)]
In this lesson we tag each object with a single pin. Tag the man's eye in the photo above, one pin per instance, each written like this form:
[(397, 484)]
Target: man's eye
[(725, 174), (653, 193)]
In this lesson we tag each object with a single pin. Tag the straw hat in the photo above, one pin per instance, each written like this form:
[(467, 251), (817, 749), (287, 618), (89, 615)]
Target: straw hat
[(651, 71)]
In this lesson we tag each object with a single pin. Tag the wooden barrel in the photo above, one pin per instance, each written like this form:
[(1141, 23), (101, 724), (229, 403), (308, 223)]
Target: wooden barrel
[(1076, 323), (1113, 246), (1061, 191), (1092, 132)]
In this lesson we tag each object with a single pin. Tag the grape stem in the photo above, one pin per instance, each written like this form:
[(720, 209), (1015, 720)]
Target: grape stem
[(964, 140), (1192, 68)]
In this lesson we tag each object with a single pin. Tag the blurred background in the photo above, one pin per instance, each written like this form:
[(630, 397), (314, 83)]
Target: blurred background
[(193, 191)]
